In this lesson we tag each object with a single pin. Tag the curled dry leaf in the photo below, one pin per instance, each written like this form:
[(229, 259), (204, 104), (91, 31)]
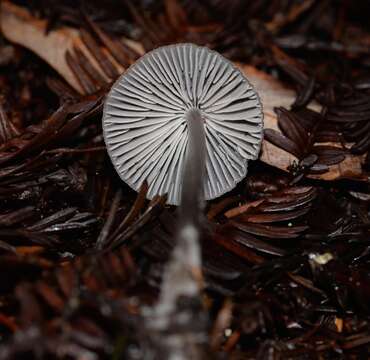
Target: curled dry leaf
[(68, 51)]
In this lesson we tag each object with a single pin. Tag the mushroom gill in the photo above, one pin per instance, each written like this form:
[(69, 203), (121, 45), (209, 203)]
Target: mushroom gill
[(148, 110)]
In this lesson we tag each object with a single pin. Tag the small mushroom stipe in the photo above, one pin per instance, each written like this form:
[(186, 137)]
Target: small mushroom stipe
[(146, 114)]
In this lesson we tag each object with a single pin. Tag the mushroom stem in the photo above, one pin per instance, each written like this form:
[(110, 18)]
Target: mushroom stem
[(183, 277), (192, 194)]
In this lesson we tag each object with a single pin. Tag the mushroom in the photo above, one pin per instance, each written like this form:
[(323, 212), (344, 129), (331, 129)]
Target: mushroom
[(148, 111)]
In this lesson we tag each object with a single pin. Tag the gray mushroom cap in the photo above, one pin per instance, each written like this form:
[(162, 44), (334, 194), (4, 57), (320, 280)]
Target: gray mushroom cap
[(145, 128)]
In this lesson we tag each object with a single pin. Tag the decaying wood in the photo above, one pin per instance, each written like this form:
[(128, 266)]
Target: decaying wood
[(20, 27)]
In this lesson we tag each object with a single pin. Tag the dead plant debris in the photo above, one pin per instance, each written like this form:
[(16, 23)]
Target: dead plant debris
[(285, 256)]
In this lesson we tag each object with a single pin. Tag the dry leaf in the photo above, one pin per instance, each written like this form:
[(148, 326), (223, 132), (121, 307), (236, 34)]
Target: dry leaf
[(20, 27)]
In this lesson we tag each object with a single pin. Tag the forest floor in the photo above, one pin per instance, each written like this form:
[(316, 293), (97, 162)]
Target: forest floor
[(285, 255)]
